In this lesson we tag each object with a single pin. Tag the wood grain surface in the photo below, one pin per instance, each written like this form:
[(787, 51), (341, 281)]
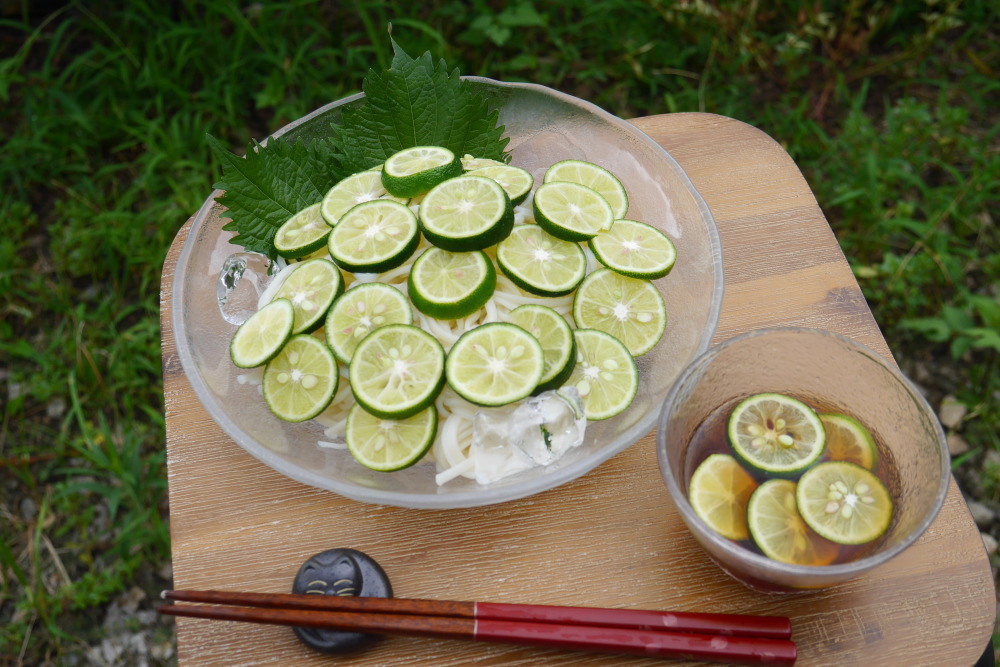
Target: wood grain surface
[(611, 538)]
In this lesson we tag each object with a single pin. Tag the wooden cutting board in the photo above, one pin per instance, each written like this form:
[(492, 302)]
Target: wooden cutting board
[(611, 538)]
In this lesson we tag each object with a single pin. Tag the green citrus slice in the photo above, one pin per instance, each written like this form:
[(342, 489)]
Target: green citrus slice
[(451, 285), (539, 263), (593, 176), (555, 336), (300, 381), (311, 288), (778, 530), (516, 182), (304, 233), (262, 335), (351, 191), (374, 236), (387, 445), (775, 433), (495, 364), (570, 211), (635, 249), (718, 492), (359, 311), (414, 171), (629, 309), (466, 213), (471, 163), (848, 440), (397, 371), (844, 503), (605, 374)]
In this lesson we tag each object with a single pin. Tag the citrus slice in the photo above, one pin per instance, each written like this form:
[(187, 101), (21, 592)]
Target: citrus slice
[(495, 364), (387, 445), (635, 249), (300, 381), (359, 311), (570, 211), (351, 191), (413, 171), (775, 433), (311, 288), (844, 503), (374, 236), (605, 374), (718, 492), (555, 336), (848, 440), (629, 309), (302, 234), (539, 263), (466, 213), (471, 163), (516, 182), (594, 177), (778, 530), (451, 285), (262, 335), (397, 371)]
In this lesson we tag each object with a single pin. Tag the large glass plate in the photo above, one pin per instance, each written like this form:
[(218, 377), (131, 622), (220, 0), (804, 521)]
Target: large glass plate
[(544, 126)]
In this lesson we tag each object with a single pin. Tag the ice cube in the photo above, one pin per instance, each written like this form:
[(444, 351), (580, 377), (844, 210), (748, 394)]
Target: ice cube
[(244, 276), (536, 432)]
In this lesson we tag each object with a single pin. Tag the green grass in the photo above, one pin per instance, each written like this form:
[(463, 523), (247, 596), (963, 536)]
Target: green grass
[(890, 109)]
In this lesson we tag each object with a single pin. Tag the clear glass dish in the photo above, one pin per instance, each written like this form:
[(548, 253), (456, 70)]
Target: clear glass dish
[(833, 374), (544, 126)]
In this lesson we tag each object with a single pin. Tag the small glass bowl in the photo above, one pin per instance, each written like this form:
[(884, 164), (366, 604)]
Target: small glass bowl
[(833, 374)]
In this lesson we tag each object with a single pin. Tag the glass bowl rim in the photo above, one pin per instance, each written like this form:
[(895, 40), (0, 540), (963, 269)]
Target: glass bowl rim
[(789, 570), (485, 495)]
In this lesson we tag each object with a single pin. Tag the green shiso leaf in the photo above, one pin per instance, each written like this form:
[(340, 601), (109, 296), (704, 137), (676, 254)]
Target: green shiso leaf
[(270, 185), (414, 103)]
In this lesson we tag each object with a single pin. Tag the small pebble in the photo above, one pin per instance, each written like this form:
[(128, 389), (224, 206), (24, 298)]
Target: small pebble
[(981, 514), (957, 444), (990, 543), (951, 413)]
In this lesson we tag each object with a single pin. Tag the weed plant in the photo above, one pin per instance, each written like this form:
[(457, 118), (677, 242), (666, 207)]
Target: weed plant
[(889, 108)]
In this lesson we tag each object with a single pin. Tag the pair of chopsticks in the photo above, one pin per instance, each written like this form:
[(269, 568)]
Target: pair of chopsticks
[(737, 639)]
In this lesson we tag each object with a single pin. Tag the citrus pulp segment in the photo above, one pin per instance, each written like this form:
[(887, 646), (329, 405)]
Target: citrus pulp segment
[(539, 263), (397, 371), (775, 433), (555, 336), (605, 374), (516, 182), (451, 285), (495, 364), (360, 310), (374, 236), (311, 288), (635, 249), (300, 381), (629, 309), (351, 191), (778, 530), (718, 492), (593, 176), (571, 211), (302, 234), (466, 213), (387, 445), (262, 335), (848, 440), (844, 503), (414, 171)]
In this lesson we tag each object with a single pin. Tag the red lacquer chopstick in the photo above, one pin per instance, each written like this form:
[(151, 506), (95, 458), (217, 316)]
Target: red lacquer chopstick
[(772, 627)]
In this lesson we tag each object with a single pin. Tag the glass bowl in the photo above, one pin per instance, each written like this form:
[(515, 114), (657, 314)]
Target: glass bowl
[(544, 126), (832, 374)]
